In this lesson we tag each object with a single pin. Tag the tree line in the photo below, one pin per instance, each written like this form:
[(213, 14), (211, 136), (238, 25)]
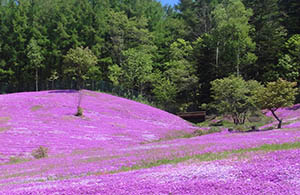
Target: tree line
[(170, 53)]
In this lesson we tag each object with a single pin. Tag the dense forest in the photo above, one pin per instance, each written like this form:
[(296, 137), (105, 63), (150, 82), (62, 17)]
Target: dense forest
[(169, 53)]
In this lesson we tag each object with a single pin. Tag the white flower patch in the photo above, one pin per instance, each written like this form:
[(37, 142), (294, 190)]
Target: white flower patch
[(125, 139), (57, 132), (88, 182), (182, 172), (142, 147), (20, 130), (40, 186), (149, 137), (90, 127), (91, 137)]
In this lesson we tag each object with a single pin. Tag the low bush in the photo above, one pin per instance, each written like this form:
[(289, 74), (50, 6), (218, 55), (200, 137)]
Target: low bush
[(41, 152), (213, 130), (79, 111), (200, 132)]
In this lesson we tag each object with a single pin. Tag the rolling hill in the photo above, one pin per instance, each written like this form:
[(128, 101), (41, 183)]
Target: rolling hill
[(123, 147)]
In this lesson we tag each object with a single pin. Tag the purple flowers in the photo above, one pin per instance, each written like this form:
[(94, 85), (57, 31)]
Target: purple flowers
[(116, 134)]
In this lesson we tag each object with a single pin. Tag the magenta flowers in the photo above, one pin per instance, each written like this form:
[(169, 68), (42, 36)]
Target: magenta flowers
[(99, 152)]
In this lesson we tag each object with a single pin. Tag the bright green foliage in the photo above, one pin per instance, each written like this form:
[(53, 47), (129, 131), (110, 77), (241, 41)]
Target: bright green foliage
[(135, 70), (78, 63), (286, 69), (293, 47), (171, 53), (275, 95), (231, 34), (35, 59), (234, 96), (165, 91), (180, 71), (289, 63)]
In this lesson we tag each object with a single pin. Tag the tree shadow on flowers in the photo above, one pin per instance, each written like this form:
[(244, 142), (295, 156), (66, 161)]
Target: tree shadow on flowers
[(295, 107), (64, 91)]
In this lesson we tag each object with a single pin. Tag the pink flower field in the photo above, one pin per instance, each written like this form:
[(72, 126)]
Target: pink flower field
[(123, 147)]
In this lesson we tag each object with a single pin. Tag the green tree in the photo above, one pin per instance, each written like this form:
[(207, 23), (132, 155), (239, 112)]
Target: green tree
[(118, 25), (164, 91), (234, 96), (288, 65), (291, 10), (197, 16), (275, 95), (13, 33), (269, 36), (79, 62), (231, 35), (181, 72), (135, 70), (35, 59), (293, 48)]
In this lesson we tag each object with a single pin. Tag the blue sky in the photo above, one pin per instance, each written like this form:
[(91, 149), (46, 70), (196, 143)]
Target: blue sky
[(170, 2)]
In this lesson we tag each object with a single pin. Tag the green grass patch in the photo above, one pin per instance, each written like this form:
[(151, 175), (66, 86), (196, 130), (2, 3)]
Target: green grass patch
[(241, 153), (182, 134), (2, 129), (4, 119), (15, 160), (36, 108)]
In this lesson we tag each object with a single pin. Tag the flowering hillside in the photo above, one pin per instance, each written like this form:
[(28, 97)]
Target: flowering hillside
[(29, 120), (124, 147)]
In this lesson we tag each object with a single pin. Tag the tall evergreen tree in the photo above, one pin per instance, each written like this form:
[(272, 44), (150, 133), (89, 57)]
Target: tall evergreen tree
[(291, 19), (269, 36)]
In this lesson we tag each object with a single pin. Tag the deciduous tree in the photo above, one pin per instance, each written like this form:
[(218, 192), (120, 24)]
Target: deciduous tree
[(35, 59), (275, 95), (235, 97), (78, 62)]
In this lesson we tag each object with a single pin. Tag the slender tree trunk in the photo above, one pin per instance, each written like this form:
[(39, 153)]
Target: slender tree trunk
[(36, 80), (217, 55), (238, 62), (277, 118)]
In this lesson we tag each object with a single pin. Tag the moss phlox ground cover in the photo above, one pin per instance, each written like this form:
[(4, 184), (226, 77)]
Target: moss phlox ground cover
[(118, 147)]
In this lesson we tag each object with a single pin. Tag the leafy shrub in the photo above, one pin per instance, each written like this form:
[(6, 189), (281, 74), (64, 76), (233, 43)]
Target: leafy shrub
[(213, 130), (41, 152), (79, 111), (234, 97), (198, 132), (217, 123)]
